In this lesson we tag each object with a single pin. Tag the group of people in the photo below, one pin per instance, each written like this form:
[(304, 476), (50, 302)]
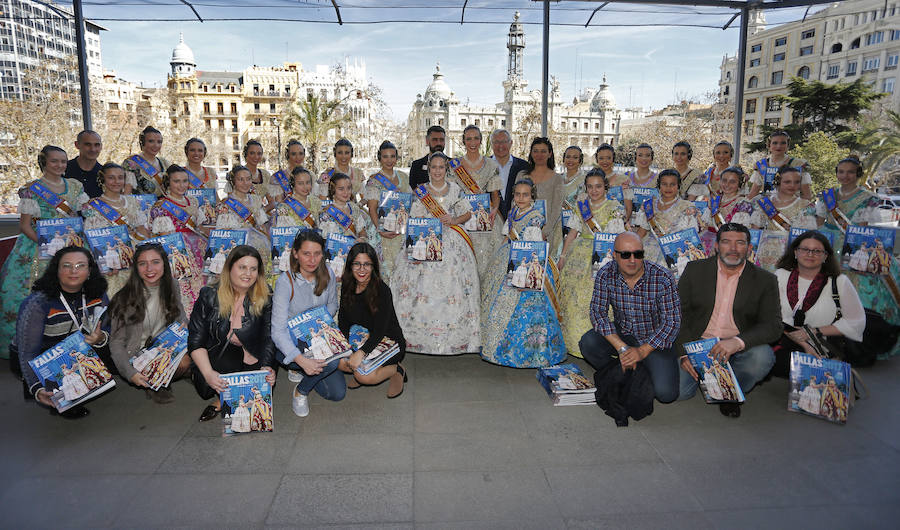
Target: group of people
[(465, 298)]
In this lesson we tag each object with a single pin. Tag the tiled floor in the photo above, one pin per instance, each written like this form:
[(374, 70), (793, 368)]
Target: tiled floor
[(468, 445)]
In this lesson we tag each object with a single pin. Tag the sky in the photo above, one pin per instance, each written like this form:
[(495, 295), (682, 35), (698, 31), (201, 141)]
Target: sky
[(648, 67)]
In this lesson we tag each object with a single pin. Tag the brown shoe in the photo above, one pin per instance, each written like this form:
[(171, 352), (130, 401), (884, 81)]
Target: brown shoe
[(162, 396), (396, 384)]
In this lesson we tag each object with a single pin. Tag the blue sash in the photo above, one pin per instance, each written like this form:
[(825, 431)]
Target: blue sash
[(386, 182), (767, 173), (177, 211), (107, 211), (709, 173), (148, 168), (584, 208), (50, 198), (239, 208), (282, 181), (766, 204), (829, 198), (339, 217), (301, 211), (714, 202), (193, 179)]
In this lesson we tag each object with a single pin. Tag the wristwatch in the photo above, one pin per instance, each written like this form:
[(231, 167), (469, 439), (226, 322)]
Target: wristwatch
[(623, 349)]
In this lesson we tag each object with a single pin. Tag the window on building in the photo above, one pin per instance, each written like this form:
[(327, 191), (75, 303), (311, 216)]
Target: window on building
[(806, 50), (851, 69), (272, 108), (207, 124), (887, 85), (462, 122), (186, 108), (752, 82), (751, 106), (777, 77), (780, 41), (895, 34), (206, 107), (749, 126), (502, 123), (754, 62), (773, 122), (255, 89), (891, 63), (220, 108), (586, 126), (256, 107), (871, 63), (574, 125), (773, 104), (257, 122), (778, 57), (755, 48), (855, 44), (836, 47), (221, 124), (441, 121), (808, 34), (597, 124), (234, 108), (833, 71), (803, 72), (477, 122), (726, 90), (875, 37)]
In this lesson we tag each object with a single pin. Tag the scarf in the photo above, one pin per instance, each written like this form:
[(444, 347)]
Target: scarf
[(812, 294)]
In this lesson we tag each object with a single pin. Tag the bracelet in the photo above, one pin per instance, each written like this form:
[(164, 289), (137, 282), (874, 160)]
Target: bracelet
[(623, 349)]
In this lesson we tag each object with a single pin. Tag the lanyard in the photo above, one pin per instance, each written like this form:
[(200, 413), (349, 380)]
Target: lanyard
[(72, 313)]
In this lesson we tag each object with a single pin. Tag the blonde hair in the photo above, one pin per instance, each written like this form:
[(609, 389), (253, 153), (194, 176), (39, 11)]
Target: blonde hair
[(258, 292)]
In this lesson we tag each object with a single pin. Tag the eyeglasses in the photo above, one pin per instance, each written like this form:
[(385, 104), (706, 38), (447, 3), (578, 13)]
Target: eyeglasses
[(626, 254), (812, 251), (73, 266), (358, 265)]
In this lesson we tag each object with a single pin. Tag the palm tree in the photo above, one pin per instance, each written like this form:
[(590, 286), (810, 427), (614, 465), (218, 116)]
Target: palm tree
[(880, 141), (310, 121)]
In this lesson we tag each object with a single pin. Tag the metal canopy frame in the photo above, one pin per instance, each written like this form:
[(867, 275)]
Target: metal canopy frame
[(737, 8)]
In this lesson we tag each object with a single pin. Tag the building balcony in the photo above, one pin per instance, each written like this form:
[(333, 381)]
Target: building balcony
[(281, 94)]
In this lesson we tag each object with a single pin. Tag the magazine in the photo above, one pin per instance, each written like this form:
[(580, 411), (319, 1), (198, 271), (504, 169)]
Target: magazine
[(221, 243), (145, 201), (337, 246), (717, 381), (317, 336), (282, 242), (54, 234), (247, 403), (206, 204), (680, 248), (820, 387), (480, 221), (527, 265), (424, 239), (72, 372), (323, 216), (393, 211), (794, 232), (566, 220), (385, 350), (616, 193), (754, 245), (111, 247), (771, 247), (159, 361), (603, 251), (642, 194), (566, 385), (701, 206), (541, 206), (180, 260), (868, 249)]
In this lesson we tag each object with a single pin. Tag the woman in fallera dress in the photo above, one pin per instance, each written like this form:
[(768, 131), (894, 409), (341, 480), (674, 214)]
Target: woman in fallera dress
[(733, 206), (762, 177), (682, 153), (388, 178), (486, 175), (520, 328), (110, 206), (176, 212), (259, 177), (279, 184), (199, 176), (799, 212), (39, 199), (548, 186), (437, 301), (605, 158), (244, 210), (144, 171), (343, 154), (576, 284), (671, 214), (723, 153), (573, 185), (360, 224), (288, 212)]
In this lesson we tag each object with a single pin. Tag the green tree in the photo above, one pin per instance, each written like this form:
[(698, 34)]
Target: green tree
[(880, 140), (310, 121), (822, 154), (830, 108)]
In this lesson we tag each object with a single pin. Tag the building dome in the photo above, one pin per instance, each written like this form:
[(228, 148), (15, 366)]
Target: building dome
[(182, 54), (438, 89), (603, 99)]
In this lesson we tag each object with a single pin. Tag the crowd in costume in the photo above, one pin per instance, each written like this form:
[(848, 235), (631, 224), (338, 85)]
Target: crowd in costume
[(460, 293)]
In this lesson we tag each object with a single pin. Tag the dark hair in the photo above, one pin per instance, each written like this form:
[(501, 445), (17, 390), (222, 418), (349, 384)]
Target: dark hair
[(101, 174), (438, 154), (737, 170), (345, 142), (130, 304), (668, 173), (385, 145), (645, 146), (780, 132), (435, 129), (605, 147), (167, 176), (142, 136), (551, 162), (789, 260), (45, 151), (322, 276), (726, 144), (195, 141), (230, 175), (348, 280), (472, 127), (686, 145), (597, 172), (296, 171), (82, 134), (293, 142), (528, 182), (851, 160), (334, 178), (733, 227), (785, 169), (580, 153), (48, 283), (247, 147)]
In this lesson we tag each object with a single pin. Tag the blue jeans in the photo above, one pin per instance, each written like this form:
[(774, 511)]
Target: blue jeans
[(750, 367), (661, 364), (329, 383)]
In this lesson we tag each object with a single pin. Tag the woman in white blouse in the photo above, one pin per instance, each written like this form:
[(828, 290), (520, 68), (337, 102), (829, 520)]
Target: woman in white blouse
[(805, 275)]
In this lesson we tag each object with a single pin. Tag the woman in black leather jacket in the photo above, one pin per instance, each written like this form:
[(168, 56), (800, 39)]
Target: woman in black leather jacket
[(230, 327)]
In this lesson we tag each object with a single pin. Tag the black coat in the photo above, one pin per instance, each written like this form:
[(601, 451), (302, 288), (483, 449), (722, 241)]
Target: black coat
[(418, 172), (518, 165), (207, 329)]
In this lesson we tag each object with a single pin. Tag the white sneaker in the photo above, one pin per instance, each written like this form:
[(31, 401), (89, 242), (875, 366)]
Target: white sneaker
[(300, 404), (295, 376)]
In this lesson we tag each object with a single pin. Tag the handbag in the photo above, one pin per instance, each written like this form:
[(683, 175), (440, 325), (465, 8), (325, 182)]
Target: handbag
[(879, 336)]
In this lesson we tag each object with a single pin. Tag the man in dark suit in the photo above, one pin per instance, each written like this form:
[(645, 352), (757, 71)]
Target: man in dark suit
[(84, 167), (727, 297), (510, 166), (435, 139)]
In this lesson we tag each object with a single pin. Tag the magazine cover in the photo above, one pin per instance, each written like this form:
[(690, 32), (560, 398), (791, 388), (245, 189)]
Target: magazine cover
[(358, 336), (755, 233), (146, 201), (527, 265), (54, 234), (159, 361), (179, 257), (337, 246), (393, 211), (424, 239), (317, 336), (206, 204), (221, 242), (868, 249), (603, 251), (567, 385), (72, 372), (701, 206), (324, 217), (820, 387), (384, 351), (566, 220), (480, 221), (770, 249), (642, 194), (717, 381), (541, 206), (794, 232), (247, 403), (282, 241), (680, 248), (616, 193), (111, 247)]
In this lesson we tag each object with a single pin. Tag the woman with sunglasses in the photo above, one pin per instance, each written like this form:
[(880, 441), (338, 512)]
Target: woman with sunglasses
[(148, 302), (366, 301), (64, 300)]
